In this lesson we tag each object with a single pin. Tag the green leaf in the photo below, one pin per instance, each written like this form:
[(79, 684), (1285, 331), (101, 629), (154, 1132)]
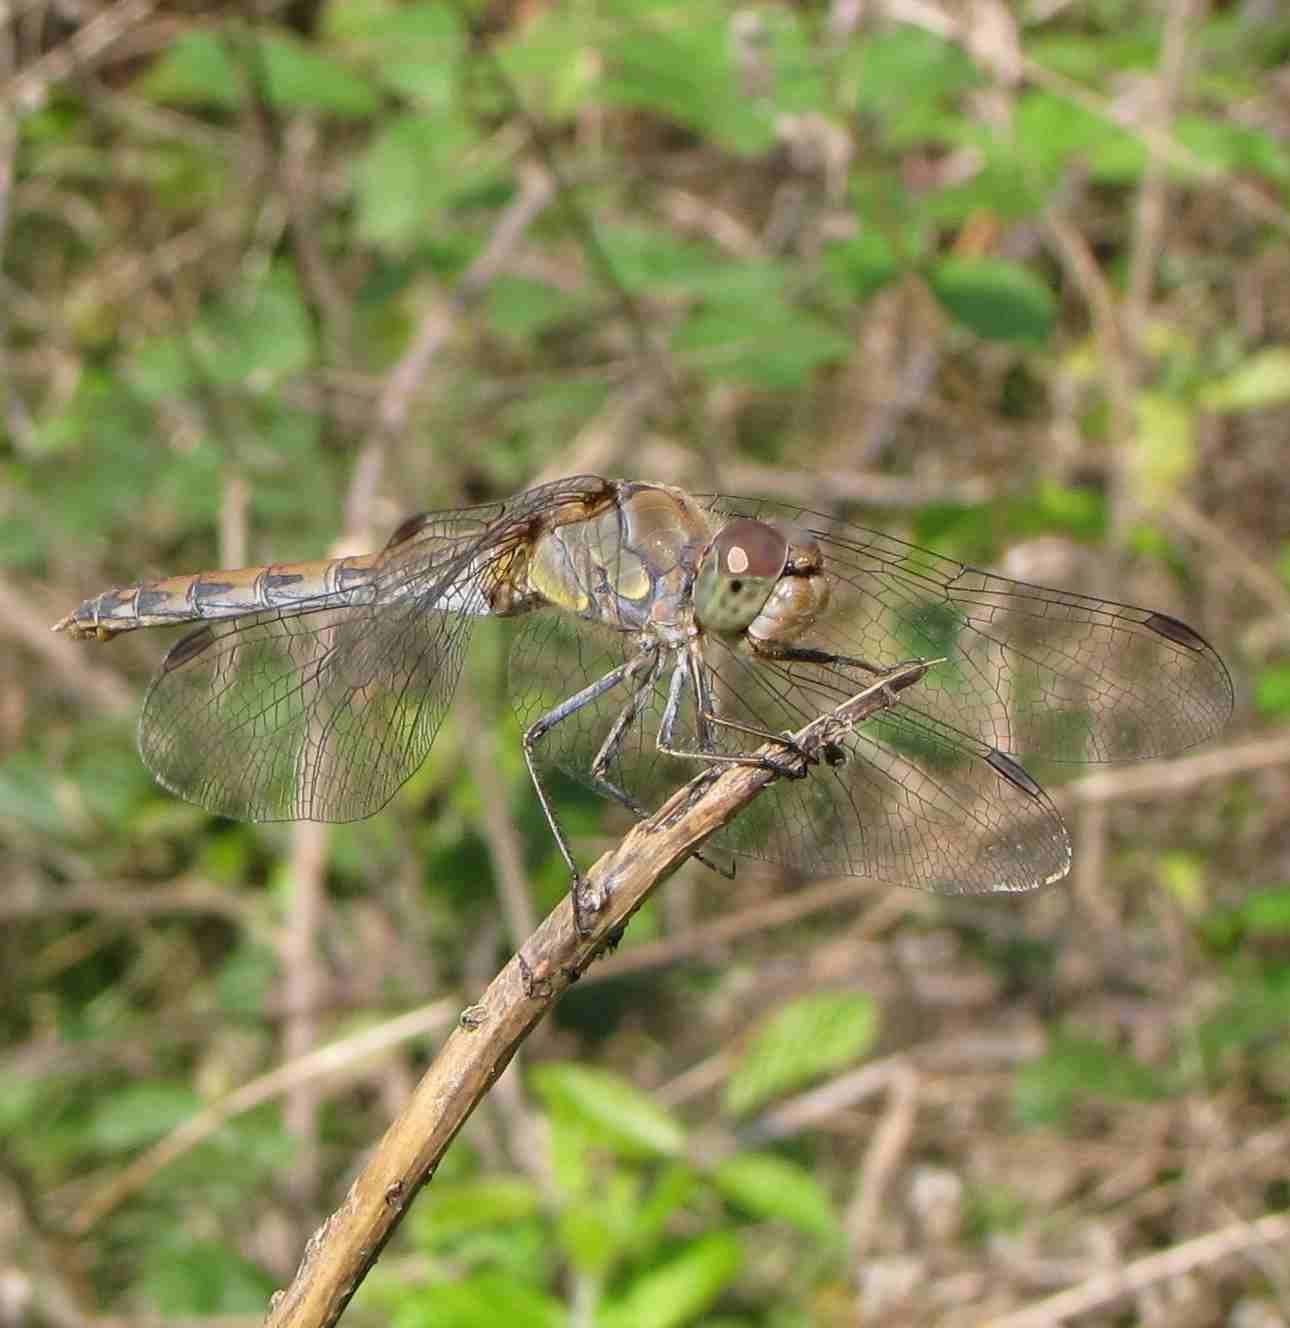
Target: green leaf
[(998, 300), (678, 1291), (681, 64), (910, 80), (863, 264), (194, 71), (415, 50), (202, 68), (1266, 912), (203, 1278), (654, 261), (141, 1114), (1260, 381), (246, 979), (1050, 131), (409, 171), (611, 1105), (1164, 451), (1272, 690), (772, 1187), (1184, 876), (301, 78), (801, 1042), (260, 335), (745, 328), (553, 58), (449, 1209), (673, 1188), (597, 1225), (522, 308), (1259, 1009), (1079, 1069), (1234, 147), (482, 1301)]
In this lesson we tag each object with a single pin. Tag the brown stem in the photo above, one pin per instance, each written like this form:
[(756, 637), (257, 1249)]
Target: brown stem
[(340, 1253)]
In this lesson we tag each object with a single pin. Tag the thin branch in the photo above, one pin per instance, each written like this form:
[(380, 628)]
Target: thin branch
[(341, 1057), (1168, 778), (1136, 1277), (342, 1251), (30, 88), (65, 667)]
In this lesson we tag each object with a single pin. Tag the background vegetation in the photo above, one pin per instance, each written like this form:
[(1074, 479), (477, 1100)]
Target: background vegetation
[(1010, 280)]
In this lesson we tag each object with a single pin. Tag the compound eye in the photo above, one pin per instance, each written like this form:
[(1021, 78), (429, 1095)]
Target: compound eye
[(737, 574)]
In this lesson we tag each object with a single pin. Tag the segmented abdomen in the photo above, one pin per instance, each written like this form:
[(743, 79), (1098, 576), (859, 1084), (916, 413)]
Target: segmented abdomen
[(180, 599)]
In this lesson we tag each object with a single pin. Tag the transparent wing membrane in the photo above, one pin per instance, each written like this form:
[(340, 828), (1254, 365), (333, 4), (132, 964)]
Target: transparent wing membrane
[(313, 691), (316, 716), (910, 801), (1031, 671), (321, 713), (928, 793)]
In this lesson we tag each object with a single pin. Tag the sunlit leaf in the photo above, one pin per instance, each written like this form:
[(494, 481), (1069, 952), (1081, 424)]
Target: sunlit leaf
[(451, 1208), (203, 1278), (1076, 1070), (998, 300), (679, 1290), (481, 1300), (1272, 689), (613, 1106), (1164, 451), (1266, 912), (1260, 381), (141, 1113), (415, 50), (773, 1187), (204, 67), (811, 1037), (409, 170)]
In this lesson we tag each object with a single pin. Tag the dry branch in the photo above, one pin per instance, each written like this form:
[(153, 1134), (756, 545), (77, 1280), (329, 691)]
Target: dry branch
[(340, 1253)]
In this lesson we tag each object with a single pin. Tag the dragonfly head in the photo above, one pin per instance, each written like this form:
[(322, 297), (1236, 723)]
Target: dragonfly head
[(738, 573)]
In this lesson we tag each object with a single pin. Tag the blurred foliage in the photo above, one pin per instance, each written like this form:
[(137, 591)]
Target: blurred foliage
[(874, 265)]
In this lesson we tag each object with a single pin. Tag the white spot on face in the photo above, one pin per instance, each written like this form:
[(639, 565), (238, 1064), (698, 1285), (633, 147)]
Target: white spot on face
[(736, 561)]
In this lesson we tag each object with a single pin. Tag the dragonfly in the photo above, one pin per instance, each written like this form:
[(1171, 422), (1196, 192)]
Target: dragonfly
[(660, 632)]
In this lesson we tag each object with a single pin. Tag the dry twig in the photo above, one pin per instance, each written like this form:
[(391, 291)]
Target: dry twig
[(1136, 1277), (341, 1252)]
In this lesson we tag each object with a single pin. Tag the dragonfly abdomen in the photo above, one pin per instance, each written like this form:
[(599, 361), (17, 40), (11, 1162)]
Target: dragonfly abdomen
[(232, 594)]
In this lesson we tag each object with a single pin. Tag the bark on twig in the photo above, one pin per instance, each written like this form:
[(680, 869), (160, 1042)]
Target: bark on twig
[(340, 1253)]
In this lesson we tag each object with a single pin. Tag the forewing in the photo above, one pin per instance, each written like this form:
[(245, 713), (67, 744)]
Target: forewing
[(900, 798), (323, 712), (1031, 671)]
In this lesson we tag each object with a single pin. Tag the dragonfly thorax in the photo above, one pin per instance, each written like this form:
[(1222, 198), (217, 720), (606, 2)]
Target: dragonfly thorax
[(629, 567)]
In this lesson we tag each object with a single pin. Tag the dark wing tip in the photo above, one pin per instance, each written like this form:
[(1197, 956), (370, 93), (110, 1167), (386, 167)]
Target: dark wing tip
[(1014, 774), (1172, 629)]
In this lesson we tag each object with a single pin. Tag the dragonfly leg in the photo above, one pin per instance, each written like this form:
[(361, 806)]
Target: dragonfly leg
[(609, 748), (790, 769), (583, 907), (801, 655)]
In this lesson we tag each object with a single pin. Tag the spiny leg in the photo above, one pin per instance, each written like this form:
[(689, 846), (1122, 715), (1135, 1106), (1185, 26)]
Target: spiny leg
[(614, 741), (790, 654), (610, 748), (667, 727), (582, 906)]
